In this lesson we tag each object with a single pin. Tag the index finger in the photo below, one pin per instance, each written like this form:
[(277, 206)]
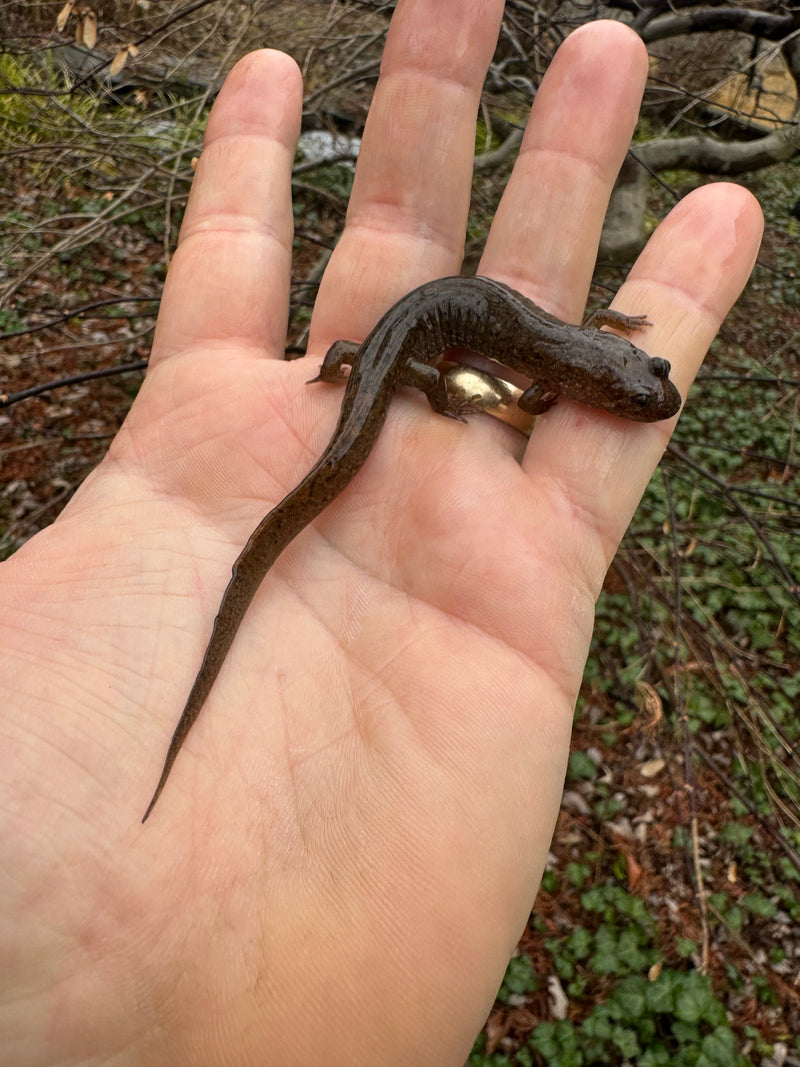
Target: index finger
[(228, 282)]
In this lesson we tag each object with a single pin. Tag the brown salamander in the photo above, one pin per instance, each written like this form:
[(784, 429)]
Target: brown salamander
[(581, 363)]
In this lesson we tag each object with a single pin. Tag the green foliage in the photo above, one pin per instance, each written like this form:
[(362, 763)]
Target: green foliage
[(577, 874), (335, 178), (110, 134), (671, 1017), (10, 320), (674, 1018), (485, 140), (685, 948), (731, 914), (777, 189), (730, 588), (23, 111), (759, 905), (620, 945), (581, 767), (520, 978), (92, 165), (733, 594), (735, 833), (550, 882)]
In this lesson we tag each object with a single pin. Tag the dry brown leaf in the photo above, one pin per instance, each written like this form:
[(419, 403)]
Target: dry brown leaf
[(655, 970), (634, 870), (652, 767), (64, 14), (119, 61), (121, 58), (89, 23), (496, 1029), (648, 698)]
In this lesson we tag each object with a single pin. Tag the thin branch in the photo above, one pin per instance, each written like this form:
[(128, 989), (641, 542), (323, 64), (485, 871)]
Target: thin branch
[(690, 783), (74, 313), (792, 583), (767, 827), (7, 399)]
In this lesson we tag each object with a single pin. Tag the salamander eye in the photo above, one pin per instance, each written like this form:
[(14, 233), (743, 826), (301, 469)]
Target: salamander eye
[(641, 399), (660, 367)]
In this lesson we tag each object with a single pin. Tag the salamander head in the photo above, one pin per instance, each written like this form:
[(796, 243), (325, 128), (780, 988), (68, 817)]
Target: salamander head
[(613, 374)]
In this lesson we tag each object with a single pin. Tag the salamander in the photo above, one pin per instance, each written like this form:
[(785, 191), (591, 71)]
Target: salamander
[(580, 363)]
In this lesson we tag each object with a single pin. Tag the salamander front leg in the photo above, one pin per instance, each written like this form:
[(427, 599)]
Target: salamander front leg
[(624, 323), (338, 356)]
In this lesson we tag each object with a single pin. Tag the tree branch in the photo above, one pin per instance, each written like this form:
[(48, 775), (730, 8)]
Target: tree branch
[(709, 20), (708, 156)]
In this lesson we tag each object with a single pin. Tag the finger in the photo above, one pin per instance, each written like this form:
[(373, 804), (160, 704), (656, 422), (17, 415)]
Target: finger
[(408, 209), (691, 273), (686, 280), (545, 234), (229, 279)]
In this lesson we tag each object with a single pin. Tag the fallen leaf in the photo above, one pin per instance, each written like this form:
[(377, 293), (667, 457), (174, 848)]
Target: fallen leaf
[(648, 698), (89, 23), (119, 61), (557, 998), (64, 14), (634, 870)]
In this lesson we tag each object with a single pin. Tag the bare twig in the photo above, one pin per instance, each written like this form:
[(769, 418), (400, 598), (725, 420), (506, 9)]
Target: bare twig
[(7, 399), (74, 313)]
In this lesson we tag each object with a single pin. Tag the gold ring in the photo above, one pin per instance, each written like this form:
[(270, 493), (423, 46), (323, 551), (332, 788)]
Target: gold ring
[(486, 392)]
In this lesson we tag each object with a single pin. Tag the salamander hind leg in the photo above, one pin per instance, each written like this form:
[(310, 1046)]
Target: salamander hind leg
[(432, 383), (536, 400), (339, 355)]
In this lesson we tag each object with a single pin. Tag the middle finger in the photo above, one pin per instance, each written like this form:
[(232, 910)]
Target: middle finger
[(408, 209)]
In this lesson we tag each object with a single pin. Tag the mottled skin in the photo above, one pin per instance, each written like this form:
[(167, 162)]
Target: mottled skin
[(581, 363)]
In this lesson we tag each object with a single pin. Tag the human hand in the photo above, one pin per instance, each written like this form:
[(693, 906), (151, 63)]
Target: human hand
[(353, 834)]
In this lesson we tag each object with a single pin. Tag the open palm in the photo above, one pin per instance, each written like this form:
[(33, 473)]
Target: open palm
[(352, 837)]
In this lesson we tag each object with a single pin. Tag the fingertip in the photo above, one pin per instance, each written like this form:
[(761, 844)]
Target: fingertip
[(277, 66), (736, 210), (262, 93), (268, 63), (610, 37), (706, 247)]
